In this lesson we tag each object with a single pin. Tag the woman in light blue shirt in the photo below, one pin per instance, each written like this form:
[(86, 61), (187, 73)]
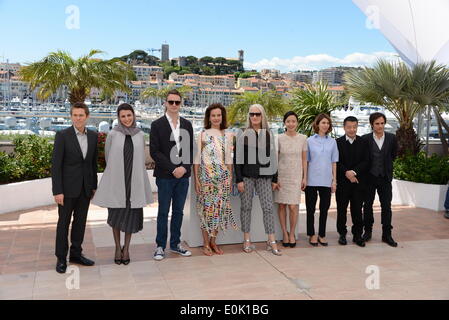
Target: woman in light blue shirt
[(322, 157)]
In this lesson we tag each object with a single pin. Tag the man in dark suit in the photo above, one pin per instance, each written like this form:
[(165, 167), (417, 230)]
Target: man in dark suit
[(352, 168), (382, 147), (171, 147), (74, 181)]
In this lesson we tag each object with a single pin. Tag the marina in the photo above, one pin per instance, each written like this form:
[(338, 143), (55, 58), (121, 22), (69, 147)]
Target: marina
[(46, 119)]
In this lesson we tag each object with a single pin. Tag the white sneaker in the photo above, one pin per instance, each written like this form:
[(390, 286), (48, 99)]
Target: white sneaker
[(180, 250), (159, 254)]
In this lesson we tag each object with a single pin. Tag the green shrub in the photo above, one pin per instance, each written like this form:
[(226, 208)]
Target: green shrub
[(5, 167), (33, 157), (422, 169)]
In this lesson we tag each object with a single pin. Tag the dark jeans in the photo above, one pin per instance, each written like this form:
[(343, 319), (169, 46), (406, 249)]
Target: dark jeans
[(384, 190), (446, 202), (79, 207), (170, 191), (345, 194), (325, 201)]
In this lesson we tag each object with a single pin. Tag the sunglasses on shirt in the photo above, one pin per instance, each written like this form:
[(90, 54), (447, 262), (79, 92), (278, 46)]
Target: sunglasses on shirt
[(255, 114), (172, 102)]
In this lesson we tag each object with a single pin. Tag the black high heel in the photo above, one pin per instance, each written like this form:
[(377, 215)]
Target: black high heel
[(127, 261), (315, 244), (286, 244), (118, 261), (292, 245), (324, 244)]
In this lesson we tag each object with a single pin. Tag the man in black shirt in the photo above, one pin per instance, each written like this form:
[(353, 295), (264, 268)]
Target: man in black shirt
[(352, 168)]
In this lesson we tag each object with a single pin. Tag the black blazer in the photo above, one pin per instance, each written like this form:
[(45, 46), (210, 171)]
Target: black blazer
[(161, 147), (242, 158), (69, 171), (390, 147), (358, 160)]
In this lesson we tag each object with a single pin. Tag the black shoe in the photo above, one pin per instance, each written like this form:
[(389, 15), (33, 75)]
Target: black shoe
[(118, 261), (324, 244), (82, 260), (367, 236), (315, 244), (389, 240), (342, 240), (292, 245), (286, 244), (359, 242), (61, 266), (446, 214), (127, 261)]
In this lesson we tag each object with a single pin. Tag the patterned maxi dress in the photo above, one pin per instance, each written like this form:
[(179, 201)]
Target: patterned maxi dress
[(214, 200)]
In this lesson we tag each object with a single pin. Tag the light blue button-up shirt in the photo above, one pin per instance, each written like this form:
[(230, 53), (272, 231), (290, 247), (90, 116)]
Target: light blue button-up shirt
[(321, 153)]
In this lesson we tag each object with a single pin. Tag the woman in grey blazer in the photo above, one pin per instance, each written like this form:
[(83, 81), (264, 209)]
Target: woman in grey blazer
[(124, 188)]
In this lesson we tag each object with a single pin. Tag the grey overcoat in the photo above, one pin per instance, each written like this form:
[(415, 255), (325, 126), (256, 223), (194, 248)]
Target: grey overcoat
[(111, 189)]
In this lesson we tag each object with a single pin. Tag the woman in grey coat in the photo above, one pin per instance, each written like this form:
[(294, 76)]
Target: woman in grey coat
[(124, 188)]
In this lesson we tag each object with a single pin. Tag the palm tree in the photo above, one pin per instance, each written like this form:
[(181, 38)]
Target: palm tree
[(161, 93), (389, 84), (403, 91), (79, 76), (310, 102), (431, 88), (275, 105)]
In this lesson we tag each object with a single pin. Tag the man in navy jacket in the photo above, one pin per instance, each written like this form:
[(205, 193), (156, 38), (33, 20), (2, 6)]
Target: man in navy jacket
[(171, 147)]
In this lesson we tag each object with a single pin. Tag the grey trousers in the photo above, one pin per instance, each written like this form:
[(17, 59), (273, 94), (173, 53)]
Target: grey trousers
[(263, 188)]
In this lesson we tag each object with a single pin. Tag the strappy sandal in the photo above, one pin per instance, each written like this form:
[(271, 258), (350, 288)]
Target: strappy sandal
[(216, 249), (276, 252), (248, 248), (207, 251)]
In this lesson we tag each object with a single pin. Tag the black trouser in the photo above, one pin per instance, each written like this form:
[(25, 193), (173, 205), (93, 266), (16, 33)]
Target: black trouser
[(345, 194), (79, 207), (384, 190), (325, 201)]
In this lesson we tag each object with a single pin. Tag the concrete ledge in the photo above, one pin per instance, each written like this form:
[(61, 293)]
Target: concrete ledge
[(420, 195), (191, 231)]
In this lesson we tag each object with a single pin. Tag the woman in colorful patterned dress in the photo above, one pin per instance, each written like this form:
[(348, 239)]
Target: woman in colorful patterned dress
[(213, 177)]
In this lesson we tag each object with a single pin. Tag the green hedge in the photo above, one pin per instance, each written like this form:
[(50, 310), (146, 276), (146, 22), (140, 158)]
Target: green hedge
[(419, 168), (32, 159)]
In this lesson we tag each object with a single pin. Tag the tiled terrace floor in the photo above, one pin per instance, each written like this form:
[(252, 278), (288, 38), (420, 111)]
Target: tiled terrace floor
[(416, 269)]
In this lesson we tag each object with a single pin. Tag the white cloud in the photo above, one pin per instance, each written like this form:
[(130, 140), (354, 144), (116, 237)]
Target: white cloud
[(320, 61)]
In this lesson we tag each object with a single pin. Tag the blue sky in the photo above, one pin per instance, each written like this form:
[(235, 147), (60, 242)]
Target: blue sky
[(285, 34)]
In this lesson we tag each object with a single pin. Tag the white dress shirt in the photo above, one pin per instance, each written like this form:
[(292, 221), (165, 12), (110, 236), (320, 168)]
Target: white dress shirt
[(174, 129), (351, 140), (82, 140), (380, 142)]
